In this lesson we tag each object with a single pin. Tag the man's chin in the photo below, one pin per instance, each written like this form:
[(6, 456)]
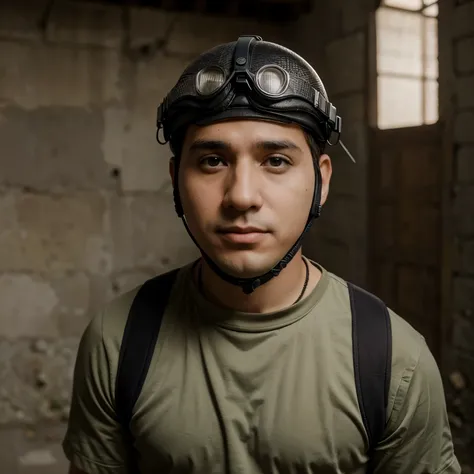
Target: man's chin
[(244, 264)]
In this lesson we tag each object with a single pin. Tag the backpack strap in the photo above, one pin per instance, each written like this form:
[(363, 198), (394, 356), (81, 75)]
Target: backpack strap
[(372, 354), (138, 343)]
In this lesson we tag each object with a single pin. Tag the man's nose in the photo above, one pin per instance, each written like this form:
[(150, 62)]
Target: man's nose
[(242, 187)]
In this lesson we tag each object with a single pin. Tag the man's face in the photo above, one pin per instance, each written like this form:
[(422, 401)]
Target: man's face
[(246, 188)]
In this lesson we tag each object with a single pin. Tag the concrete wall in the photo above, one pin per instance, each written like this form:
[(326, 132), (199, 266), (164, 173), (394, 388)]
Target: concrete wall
[(85, 200), (339, 239), (457, 108)]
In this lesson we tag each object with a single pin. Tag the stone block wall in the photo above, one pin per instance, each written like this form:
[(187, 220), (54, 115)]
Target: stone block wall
[(339, 238), (456, 30), (85, 199)]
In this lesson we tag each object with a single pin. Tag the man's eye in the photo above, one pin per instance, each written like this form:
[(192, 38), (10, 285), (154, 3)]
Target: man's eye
[(277, 161), (211, 161)]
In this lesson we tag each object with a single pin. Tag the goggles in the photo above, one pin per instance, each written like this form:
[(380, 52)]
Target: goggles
[(271, 91)]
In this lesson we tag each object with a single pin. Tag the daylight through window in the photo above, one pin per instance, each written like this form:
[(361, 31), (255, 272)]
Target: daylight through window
[(407, 63)]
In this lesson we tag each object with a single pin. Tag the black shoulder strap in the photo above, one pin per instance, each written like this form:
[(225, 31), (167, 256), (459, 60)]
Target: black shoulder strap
[(138, 342), (372, 352)]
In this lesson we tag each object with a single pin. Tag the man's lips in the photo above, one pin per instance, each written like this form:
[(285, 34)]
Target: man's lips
[(242, 235), (240, 230)]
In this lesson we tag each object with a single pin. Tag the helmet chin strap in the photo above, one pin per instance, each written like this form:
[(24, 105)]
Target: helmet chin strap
[(249, 285)]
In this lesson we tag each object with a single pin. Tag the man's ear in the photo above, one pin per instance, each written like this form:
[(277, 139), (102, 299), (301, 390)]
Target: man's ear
[(325, 166), (172, 165)]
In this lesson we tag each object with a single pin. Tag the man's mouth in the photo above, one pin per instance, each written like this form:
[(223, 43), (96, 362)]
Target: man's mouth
[(242, 235)]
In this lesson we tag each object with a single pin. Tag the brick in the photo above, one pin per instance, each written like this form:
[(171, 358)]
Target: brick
[(11, 257), (462, 21), (27, 304), (149, 26), (21, 19), (384, 218), (465, 364), (52, 233), (56, 306), (8, 217), (340, 256), (348, 178), (85, 24), (193, 34), (355, 15), (39, 380), (351, 108), (33, 450), (463, 57), (35, 75), (418, 243), (463, 127), (154, 79), (336, 255), (147, 234), (465, 164), (416, 289), (466, 404), (358, 262), (461, 402), (300, 37), (145, 168), (465, 256), (355, 140), (346, 61), (463, 294), (53, 148), (116, 123), (462, 214), (144, 162), (382, 283), (344, 218), (73, 311), (312, 242), (463, 334), (465, 91)]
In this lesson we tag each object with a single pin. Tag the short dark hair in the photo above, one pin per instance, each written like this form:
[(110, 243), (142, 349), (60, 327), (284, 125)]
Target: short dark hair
[(316, 146)]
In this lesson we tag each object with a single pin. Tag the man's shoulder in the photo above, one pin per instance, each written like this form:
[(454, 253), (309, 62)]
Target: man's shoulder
[(410, 353), (407, 342), (106, 327), (108, 324)]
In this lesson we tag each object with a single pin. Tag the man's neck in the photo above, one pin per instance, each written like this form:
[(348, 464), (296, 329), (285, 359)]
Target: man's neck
[(278, 293)]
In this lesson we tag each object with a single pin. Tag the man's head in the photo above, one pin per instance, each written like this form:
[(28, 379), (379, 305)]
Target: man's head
[(246, 188), (248, 122)]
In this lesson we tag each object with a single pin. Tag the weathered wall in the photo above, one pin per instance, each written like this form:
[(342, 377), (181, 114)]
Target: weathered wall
[(339, 238), (457, 107), (85, 204)]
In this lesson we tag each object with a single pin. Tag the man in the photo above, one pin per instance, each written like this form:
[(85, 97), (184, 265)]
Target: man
[(253, 368)]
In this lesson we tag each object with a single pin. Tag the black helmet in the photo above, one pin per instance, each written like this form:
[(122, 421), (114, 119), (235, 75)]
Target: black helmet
[(250, 78)]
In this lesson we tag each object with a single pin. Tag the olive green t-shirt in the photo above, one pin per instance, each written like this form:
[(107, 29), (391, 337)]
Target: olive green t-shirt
[(237, 393)]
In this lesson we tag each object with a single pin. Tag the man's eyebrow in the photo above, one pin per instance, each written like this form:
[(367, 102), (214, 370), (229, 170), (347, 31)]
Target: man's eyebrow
[(267, 145), (275, 145), (200, 145)]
